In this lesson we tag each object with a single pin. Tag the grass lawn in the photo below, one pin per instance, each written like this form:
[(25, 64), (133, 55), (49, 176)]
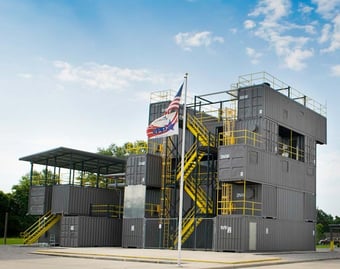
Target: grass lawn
[(325, 246), (12, 241), (322, 246)]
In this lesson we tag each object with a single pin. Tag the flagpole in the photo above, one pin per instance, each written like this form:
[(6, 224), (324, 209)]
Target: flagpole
[(181, 185)]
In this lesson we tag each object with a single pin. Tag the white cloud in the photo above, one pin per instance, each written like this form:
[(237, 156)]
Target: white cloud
[(325, 33), (310, 29), (249, 24), (273, 28), (254, 55), (334, 36), (107, 77), (233, 30), (101, 76), (25, 75), (327, 8), (273, 10), (335, 70), (197, 39), (305, 9), (295, 58)]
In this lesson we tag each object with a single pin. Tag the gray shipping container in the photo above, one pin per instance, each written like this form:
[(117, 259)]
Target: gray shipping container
[(244, 233), (40, 198), (144, 169), (246, 162), (77, 200), (149, 233), (84, 231), (142, 233), (262, 101)]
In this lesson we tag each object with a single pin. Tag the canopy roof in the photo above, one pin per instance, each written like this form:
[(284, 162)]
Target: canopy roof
[(78, 160)]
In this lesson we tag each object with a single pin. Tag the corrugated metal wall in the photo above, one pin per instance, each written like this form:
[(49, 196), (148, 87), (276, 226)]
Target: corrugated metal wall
[(39, 200), (157, 109), (290, 204), (144, 169), (246, 162), (309, 209), (286, 112), (269, 201), (251, 102), (133, 235), (76, 200), (232, 162), (148, 233), (153, 233), (232, 234), (84, 231)]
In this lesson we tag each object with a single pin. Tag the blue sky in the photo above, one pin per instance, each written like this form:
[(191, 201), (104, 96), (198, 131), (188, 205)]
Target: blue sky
[(79, 73)]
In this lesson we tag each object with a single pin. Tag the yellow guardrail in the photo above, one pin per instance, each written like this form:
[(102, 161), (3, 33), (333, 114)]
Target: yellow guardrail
[(240, 137), (290, 151), (109, 210), (239, 207)]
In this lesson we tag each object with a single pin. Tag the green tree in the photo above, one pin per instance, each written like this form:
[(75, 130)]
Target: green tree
[(324, 219), (112, 150), (137, 147), (18, 218), (17, 202), (337, 220), (319, 232), (4, 207)]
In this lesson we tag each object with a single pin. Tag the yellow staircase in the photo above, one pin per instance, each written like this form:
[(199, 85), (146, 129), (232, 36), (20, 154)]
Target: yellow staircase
[(189, 225), (41, 226), (196, 193), (191, 158), (197, 128)]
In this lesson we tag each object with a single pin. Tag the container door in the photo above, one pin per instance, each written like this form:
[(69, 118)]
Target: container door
[(252, 236)]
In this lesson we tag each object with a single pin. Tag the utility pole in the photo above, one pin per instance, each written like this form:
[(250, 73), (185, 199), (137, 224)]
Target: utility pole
[(5, 230)]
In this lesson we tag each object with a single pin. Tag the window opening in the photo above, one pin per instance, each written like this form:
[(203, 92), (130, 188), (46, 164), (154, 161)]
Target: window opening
[(291, 144)]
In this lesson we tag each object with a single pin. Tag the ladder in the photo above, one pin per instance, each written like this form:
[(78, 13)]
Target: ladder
[(226, 199), (52, 240)]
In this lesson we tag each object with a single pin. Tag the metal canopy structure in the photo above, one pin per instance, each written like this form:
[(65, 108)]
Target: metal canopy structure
[(78, 160)]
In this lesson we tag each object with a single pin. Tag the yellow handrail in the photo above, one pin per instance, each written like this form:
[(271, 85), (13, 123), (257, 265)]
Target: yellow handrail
[(238, 206), (240, 137)]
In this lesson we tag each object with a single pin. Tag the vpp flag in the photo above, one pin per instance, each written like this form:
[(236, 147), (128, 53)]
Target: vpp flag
[(166, 125)]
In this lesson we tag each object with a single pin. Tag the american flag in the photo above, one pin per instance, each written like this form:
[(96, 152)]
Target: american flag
[(174, 105), (167, 124)]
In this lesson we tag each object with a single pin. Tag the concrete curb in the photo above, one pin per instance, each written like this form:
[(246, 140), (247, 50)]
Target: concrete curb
[(243, 262), (148, 259)]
